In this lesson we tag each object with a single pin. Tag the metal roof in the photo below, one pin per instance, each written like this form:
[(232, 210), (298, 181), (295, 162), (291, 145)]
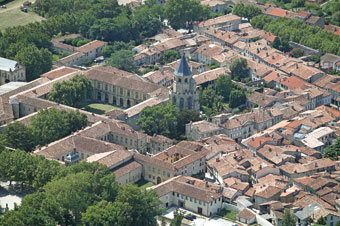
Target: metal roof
[(7, 65), (183, 68)]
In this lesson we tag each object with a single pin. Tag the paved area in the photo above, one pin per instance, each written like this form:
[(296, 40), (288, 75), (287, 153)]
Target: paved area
[(8, 196)]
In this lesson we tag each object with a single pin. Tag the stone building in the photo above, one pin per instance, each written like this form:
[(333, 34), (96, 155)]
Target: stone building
[(184, 93), (11, 71)]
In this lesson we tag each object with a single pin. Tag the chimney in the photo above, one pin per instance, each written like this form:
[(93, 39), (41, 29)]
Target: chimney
[(267, 54)]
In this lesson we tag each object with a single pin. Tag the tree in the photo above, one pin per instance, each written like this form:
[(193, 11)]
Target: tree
[(107, 213), (184, 117), (178, 217), (159, 119), (248, 11), (277, 43), (182, 13), (288, 218), (239, 69), (122, 59), (170, 56), (16, 135), (297, 52), (224, 86), (73, 92), (37, 61), (52, 124), (145, 204), (333, 151), (321, 221), (298, 3), (237, 98), (210, 101)]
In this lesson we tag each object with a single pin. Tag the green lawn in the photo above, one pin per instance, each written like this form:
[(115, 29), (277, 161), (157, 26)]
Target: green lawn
[(12, 15), (143, 184), (230, 214), (99, 109)]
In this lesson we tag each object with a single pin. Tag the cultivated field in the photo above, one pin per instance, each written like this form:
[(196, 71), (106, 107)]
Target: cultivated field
[(12, 15)]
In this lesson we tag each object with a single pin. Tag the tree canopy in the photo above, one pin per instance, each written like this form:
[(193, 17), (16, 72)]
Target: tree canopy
[(288, 218), (239, 69), (47, 126), (73, 92), (333, 151), (248, 11), (122, 59), (182, 13), (83, 194)]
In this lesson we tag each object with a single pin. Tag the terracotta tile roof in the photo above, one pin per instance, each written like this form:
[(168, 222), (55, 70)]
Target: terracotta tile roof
[(213, 3), (278, 12), (219, 20), (127, 168), (228, 37), (122, 79), (313, 20), (91, 46), (332, 28), (210, 76), (187, 186), (293, 82), (113, 158), (268, 192), (58, 72), (257, 141), (79, 143), (246, 214)]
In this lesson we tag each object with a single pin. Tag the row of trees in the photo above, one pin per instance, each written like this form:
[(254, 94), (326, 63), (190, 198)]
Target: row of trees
[(82, 194), (72, 92), (166, 120), (49, 125), (297, 31)]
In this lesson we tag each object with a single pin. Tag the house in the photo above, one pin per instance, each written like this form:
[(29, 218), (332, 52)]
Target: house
[(201, 129), (316, 21), (225, 38), (11, 71), (329, 61), (246, 216), (332, 28), (331, 83), (195, 195), (266, 194), (229, 22), (92, 50), (304, 72), (257, 99)]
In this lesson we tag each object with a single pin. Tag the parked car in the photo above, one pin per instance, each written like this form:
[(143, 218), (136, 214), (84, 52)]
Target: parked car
[(190, 217), (24, 10), (3, 6)]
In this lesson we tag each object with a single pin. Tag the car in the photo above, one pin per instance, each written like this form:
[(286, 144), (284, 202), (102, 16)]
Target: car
[(24, 10), (235, 224), (3, 6), (190, 217)]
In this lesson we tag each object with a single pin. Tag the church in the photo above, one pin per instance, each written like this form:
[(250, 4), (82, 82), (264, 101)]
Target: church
[(184, 93)]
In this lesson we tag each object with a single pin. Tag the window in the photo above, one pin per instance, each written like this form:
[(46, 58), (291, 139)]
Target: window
[(136, 95), (106, 87), (179, 80), (177, 195), (168, 174), (190, 199), (149, 168), (121, 91), (128, 93), (114, 89), (163, 173), (98, 85), (149, 176), (153, 169), (159, 171)]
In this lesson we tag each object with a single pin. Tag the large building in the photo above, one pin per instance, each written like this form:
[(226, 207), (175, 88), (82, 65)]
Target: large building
[(121, 88), (184, 92), (11, 71)]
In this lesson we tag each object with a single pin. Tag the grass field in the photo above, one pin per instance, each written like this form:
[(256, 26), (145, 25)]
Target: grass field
[(99, 109), (12, 15), (229, 214), (143, 184)]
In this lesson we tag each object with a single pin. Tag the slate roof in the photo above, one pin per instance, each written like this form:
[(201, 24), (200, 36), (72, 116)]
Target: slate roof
[(183, 68)]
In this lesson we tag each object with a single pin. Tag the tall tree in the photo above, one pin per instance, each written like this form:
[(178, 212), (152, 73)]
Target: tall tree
[(178, 217), (224, 86), (122, 59), (288, 218), (184, 117), (237, 98), (239, 69)]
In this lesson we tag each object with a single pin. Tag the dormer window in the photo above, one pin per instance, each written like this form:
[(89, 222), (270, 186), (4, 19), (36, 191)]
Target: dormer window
[(179, 80)]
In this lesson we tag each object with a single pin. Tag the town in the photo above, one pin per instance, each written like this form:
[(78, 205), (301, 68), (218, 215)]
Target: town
[(171, 113)]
